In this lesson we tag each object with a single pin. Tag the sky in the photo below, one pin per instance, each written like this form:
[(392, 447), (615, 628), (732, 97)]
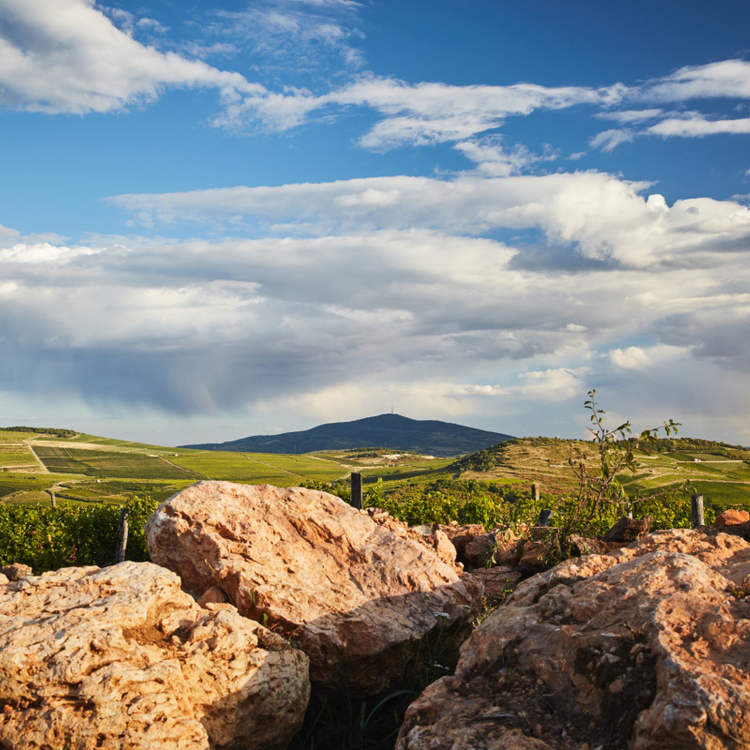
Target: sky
[(240, 217)]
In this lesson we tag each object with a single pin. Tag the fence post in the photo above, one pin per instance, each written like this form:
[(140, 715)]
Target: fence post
[(357, 490), (697, 507), (535, 493), (544, 517), (122, 535)]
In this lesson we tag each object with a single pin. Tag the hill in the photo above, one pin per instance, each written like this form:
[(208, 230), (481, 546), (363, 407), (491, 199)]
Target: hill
[(719, 471), (391, 431)]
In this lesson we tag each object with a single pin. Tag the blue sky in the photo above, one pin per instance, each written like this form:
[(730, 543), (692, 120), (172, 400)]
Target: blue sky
[(232, 218)]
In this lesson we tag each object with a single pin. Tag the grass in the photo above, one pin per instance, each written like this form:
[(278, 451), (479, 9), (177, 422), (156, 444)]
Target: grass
[(16, 455), (11, 436), (12, 483), (723, 495), (103, 464), (260, 468)]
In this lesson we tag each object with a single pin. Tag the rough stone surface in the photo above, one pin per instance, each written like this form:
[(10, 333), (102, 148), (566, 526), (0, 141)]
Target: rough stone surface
[(358, 597), (16, 571), (479, 550), (429, 536), (629, 529), (731, 517), (461, 535), (533, 557), (647, 648), (497, 581), (122, 659)]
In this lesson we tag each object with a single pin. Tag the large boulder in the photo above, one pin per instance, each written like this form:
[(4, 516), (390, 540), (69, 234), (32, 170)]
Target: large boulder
[(644, 648), (359, 597), (122, 659)]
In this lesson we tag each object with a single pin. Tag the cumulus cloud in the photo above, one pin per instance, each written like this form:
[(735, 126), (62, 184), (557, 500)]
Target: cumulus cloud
[(67, 56), (224, 323), (603, 217)]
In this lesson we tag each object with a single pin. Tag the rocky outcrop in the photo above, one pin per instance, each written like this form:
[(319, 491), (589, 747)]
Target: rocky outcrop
[(122, 659), (358, 597), (16, 571), (629, 529), (644, 648), (429, 535), (731, 517)]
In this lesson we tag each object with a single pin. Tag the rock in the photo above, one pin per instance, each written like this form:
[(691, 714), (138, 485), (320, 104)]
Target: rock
[(212, 596), (644, 648), (428, 535), (497, 581), (588, 546), (629, 529), (16, 571), (737, 529), (478, 552), (121, 659), (461, 535), (533, 557), (358, 596), (731, 517)]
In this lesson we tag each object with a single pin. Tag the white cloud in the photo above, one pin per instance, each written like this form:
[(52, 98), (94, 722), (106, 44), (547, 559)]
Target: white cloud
[(632, 358), (444, 325), (724, 79), (67, 56), (603, 217), (697, 125), (609, 140), (418, 114), (627, 116)]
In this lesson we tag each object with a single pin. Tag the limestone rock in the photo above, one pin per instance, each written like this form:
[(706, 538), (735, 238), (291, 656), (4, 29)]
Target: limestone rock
[(431, 536), (497, 581), (731, 517), (358, 596), (533, 557), (461, 535), (644, 648), (629, 529), (16, 571), (122, 659), (479, 550)]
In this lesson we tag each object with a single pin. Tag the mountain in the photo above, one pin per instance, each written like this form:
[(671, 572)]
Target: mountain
[(386, 431)]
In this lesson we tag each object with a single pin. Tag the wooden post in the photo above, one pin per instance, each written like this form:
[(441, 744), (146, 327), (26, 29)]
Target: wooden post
[(697, 503), (122, 535), (52, 498), (357, 490), (544, 517), (535, 493)]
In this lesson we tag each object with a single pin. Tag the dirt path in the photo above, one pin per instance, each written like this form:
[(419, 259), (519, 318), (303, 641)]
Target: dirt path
[(45, 470)]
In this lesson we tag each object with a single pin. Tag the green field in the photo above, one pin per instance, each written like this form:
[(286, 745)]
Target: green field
[(87, 468), (11, 436), (16, 455), (259, 468), (12, 484), (104, 464)]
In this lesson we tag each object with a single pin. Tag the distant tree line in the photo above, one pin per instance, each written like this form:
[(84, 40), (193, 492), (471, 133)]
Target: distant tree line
[(56, 431)]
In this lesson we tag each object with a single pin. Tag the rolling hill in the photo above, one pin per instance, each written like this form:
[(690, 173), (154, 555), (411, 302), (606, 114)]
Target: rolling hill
[(391, 431)]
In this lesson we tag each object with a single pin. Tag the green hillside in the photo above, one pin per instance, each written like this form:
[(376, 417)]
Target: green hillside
[(86, 468), (719, 471)]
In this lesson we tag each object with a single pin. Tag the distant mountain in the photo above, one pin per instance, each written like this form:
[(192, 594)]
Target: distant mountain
[(430, 437)]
